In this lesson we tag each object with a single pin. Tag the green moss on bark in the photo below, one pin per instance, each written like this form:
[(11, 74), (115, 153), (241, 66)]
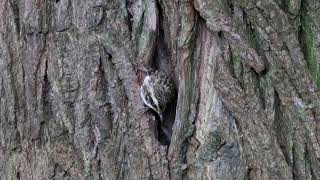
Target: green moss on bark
[(310, 49)]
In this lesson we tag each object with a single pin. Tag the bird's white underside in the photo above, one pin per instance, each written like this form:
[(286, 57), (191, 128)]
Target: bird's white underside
[(147, 83)]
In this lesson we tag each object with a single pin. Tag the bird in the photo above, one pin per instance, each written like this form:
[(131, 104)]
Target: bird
[(156, 91)]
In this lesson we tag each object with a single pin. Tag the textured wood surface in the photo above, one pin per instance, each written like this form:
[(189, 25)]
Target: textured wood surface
[(245, 71)]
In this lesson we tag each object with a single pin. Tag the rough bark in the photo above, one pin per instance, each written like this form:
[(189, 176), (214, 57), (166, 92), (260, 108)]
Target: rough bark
[(246, 74)]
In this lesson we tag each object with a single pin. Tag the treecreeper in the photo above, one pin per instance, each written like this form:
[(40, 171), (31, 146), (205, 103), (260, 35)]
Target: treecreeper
[(156, 91)]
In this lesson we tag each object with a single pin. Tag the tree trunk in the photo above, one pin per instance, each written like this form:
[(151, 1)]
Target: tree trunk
[(246, 74)]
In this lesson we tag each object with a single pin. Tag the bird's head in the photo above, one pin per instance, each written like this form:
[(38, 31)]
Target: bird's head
[(147, 95)]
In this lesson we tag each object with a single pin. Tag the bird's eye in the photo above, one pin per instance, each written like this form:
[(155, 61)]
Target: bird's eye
[(149, 100)]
